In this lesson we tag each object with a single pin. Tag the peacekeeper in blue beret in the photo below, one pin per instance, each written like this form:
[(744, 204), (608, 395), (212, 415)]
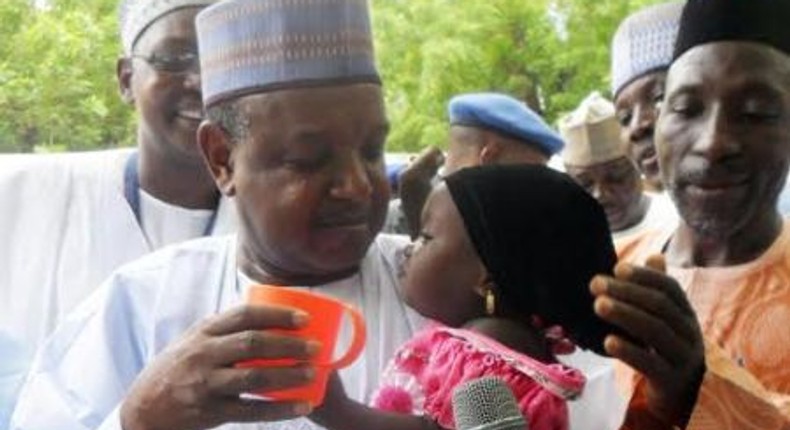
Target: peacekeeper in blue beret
[(485, 128), (491, 128)]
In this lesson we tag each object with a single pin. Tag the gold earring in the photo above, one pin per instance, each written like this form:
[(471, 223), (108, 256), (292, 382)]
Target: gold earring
[(490, 302)]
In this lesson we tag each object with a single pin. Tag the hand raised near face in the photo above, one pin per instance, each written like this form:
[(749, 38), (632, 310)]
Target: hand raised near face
[(667, 345), (416, 184), (194, 384)]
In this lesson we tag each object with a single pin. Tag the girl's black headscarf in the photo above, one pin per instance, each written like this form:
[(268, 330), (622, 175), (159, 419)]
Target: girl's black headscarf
[(542, 239)]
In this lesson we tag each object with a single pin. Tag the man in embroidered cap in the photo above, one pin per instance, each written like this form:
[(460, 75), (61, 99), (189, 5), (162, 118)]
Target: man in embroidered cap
[(295, 132), (485, 128), (596, 158), (71, 219), (723, 140), (641, 53)]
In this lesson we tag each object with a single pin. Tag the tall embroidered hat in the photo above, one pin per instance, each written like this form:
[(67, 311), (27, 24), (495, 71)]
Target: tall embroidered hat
[(591, 133), (135, 16), (643, 43), (251, 46)]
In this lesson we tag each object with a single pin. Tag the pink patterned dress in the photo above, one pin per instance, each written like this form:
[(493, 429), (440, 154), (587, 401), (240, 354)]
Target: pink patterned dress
[(421, 378)]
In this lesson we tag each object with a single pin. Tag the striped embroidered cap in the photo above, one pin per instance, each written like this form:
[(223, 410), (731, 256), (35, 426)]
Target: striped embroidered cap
[(252, 46), (643, 43), (134, 16)]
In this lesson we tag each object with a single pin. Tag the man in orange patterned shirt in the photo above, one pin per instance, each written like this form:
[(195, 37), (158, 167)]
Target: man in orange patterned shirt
[(723, 140)]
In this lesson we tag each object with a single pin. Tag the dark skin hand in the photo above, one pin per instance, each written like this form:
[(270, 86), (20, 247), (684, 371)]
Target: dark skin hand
[(415, 185), (652, 308), (194, 383), (338, 412)]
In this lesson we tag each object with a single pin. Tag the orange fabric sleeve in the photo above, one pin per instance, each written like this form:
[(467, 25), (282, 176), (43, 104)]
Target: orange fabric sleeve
[(730, 398)]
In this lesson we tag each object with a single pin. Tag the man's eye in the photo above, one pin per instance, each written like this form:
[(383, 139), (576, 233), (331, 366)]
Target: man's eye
[(424, 237), (175, 61), (686, 106), (758, 111), (624, 118), (304, 163)]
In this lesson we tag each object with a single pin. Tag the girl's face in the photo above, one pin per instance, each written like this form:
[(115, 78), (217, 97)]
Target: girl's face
[(443, 274)]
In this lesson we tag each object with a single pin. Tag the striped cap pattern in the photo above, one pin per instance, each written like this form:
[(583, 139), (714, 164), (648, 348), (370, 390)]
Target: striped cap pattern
[(250, 46)]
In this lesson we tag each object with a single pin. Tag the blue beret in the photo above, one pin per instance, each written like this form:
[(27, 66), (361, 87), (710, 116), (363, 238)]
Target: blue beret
[(505, 115)]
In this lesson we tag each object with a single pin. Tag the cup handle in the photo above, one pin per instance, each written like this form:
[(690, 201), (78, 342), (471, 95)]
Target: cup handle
[(358, 342)]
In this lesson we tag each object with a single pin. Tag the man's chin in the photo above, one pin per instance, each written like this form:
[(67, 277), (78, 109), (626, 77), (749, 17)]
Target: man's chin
[(715, 226), (336, 269), (340, 256)]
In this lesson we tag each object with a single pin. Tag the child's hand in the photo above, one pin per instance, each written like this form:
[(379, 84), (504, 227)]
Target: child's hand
[(415, 185)]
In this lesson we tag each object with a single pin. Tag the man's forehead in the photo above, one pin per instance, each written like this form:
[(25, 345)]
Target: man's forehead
[(303, 114), (640, 88), (167, 33), (296, 101), (136, 16), (463, 132), (732, 65)]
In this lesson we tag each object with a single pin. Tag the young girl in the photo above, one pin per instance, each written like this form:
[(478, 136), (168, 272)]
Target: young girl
[(500, 245)]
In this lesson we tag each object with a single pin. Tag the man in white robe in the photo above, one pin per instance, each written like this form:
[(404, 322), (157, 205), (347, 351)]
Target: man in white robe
[(302, 155), (69, 220), (84, 372)]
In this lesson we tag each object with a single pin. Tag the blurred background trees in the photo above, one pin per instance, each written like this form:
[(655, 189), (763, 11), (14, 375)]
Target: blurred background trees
[(57, 64)]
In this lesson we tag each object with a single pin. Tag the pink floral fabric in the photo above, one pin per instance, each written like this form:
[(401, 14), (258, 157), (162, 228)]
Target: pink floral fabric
[(421, 378)]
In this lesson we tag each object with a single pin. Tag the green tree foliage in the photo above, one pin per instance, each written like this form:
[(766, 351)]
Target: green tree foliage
[(57, 64), (57, 76), (549, 53)]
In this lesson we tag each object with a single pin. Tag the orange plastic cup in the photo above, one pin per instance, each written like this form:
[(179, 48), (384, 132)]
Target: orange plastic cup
[(325, 316)]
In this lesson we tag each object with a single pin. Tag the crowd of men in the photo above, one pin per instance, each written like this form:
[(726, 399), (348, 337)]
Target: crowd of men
[(261, 135)]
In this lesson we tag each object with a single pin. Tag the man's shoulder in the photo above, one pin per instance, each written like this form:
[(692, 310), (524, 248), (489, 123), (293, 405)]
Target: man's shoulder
[(636, 248), (193, 257), (57, 170), (174, 286), (105, 165), (64, 159)]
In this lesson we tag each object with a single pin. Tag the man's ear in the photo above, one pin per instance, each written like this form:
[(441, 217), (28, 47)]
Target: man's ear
[(491, 151), (123, 71), (217, 149)]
